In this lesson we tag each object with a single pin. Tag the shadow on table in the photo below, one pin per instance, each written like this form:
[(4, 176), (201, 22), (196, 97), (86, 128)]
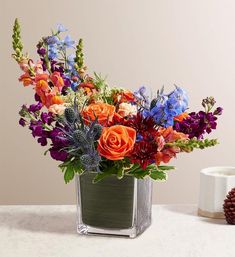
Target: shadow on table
[(192, 211), (182, 209), (60, 223)]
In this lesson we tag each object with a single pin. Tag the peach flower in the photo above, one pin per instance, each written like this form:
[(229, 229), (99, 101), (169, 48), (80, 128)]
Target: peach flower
[(127, 109), (116, 142), (57, 109)]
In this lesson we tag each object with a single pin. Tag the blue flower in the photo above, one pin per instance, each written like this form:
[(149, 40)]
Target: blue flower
[(70, 60), (179, 99), (141, 96), (52, 51), (74, 86), (51, 40), (67, 42), (60, 28)]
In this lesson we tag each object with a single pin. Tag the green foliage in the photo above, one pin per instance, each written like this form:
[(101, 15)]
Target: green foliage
[(188, 145), (69, 168), (125, 167), (16, 42), (154, 171)]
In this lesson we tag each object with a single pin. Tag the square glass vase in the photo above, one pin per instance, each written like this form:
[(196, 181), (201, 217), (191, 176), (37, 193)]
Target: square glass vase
[(117, 207)]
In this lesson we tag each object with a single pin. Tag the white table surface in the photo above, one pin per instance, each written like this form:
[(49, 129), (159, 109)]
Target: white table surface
[(50, 231)]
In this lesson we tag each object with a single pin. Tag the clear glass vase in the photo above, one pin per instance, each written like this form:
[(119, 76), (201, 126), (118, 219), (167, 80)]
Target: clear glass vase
[(112, 206)]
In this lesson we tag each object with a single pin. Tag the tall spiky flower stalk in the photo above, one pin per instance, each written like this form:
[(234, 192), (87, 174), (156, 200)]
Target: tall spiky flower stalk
[(16, 42)]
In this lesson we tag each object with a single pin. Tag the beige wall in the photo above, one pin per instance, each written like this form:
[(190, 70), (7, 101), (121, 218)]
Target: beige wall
[(189, 43)]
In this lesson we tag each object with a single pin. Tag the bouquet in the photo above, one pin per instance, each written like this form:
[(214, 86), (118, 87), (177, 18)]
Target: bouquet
[(91, 127)]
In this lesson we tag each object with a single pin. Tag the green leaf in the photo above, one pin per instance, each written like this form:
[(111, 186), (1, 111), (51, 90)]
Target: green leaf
[(120, 173), (158, 175), (69, 174), (164, 167), (102, 175)]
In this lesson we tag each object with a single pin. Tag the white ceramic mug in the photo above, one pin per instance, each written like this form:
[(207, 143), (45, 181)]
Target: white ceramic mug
[(215, 183)]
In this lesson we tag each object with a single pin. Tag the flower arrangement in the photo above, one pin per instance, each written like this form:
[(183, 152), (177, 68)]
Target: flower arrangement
[(90, 126)]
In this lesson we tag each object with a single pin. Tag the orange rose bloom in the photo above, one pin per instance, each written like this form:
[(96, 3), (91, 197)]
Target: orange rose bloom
[(116, 142), (102, 111), (127, 96)]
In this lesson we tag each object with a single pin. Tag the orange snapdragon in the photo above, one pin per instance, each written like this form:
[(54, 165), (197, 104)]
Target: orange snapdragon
[(167, 135)]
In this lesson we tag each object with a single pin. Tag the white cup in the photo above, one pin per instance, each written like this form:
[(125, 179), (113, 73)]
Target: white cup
[(215, 183)]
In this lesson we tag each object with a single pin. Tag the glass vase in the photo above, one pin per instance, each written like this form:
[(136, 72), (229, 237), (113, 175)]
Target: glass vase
[(118, 207)]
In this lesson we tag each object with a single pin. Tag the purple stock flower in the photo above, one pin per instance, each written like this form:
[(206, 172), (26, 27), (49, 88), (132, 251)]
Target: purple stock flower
[(35, 107), (42, 141), (59, 141), (22, 122), (37, 97), (58, 154), (36, 128), (47, 118), (218, 111), (197, 124), (41, 51)]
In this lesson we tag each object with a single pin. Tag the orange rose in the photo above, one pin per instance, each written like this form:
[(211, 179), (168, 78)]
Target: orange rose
[(104, 112), (127, 96), (57, 80), (116, 142)]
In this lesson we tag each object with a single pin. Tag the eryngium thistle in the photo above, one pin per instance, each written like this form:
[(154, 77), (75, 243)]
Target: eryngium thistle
[(97, 130), (79, 137), (69, 115), (90, 161)]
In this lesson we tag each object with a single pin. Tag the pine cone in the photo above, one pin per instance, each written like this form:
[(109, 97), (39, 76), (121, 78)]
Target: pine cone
[(229, 207)]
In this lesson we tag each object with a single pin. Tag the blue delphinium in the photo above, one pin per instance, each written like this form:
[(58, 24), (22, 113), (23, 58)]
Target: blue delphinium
[(60, 28), (67, 42), (179, 99), (142, 97), (164, 108)]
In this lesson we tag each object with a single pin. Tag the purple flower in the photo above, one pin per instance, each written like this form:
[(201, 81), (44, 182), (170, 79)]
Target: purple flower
[(42, 141), (36, 127), (197, 124), (37, 97), (47, 118), (58, 138), (22, 122), (41, 51), (35, 107), (58, 154), (218, 111)]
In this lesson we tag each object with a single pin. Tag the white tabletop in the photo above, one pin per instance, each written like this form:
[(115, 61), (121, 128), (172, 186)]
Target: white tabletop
[(50, 231)]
